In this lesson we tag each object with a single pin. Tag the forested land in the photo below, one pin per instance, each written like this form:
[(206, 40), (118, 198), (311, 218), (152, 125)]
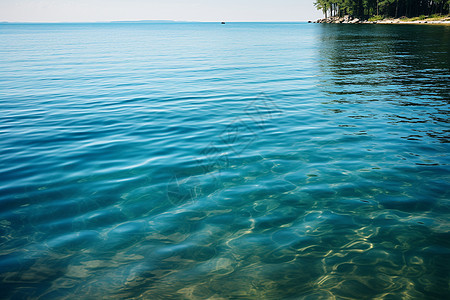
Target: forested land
[(385, 8)]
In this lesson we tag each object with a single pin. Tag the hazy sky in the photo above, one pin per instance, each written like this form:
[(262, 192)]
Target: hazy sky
[(180, 10)]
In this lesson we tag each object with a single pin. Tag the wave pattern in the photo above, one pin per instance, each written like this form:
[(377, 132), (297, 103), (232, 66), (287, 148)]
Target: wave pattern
[(200, 161)]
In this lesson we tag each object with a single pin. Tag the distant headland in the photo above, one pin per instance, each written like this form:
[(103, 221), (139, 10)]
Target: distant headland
[(151, 21)]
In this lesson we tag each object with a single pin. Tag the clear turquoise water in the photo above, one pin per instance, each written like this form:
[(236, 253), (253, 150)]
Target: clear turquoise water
[(244, 161)]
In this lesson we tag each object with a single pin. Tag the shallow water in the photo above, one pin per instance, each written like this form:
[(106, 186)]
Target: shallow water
[(243, 161)]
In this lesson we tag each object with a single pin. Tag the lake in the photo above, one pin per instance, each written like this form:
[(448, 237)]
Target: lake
[(237, 161)]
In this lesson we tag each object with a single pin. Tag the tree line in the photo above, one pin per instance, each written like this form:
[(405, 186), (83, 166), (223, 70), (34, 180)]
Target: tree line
[(385, 8)]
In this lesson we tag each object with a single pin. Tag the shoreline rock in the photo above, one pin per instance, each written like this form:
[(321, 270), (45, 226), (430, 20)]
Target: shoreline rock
[(347, 19), (338, 20), (425, 21)]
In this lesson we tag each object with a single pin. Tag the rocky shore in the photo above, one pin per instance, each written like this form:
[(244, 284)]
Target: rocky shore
[(345, 19), (350, 20)]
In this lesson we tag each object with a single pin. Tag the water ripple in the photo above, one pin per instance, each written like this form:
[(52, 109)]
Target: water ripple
[(247, 161)]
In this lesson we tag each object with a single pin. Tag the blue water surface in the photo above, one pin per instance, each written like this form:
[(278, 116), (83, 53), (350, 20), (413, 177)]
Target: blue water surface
[(237, 161)]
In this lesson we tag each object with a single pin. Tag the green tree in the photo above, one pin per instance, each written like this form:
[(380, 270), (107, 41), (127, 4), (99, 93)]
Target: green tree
[(387, 8)]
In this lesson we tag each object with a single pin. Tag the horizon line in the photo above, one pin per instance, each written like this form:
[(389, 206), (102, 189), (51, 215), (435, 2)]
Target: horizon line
[(141, 21)]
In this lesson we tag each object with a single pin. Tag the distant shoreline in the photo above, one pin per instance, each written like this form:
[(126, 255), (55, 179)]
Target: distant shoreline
[(154, 22), (445, 20)]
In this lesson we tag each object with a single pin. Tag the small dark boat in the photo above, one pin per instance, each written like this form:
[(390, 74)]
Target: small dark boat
[(223, 23)]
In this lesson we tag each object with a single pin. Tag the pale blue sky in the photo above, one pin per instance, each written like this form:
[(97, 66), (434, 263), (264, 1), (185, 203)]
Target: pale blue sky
[(119, 10)]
